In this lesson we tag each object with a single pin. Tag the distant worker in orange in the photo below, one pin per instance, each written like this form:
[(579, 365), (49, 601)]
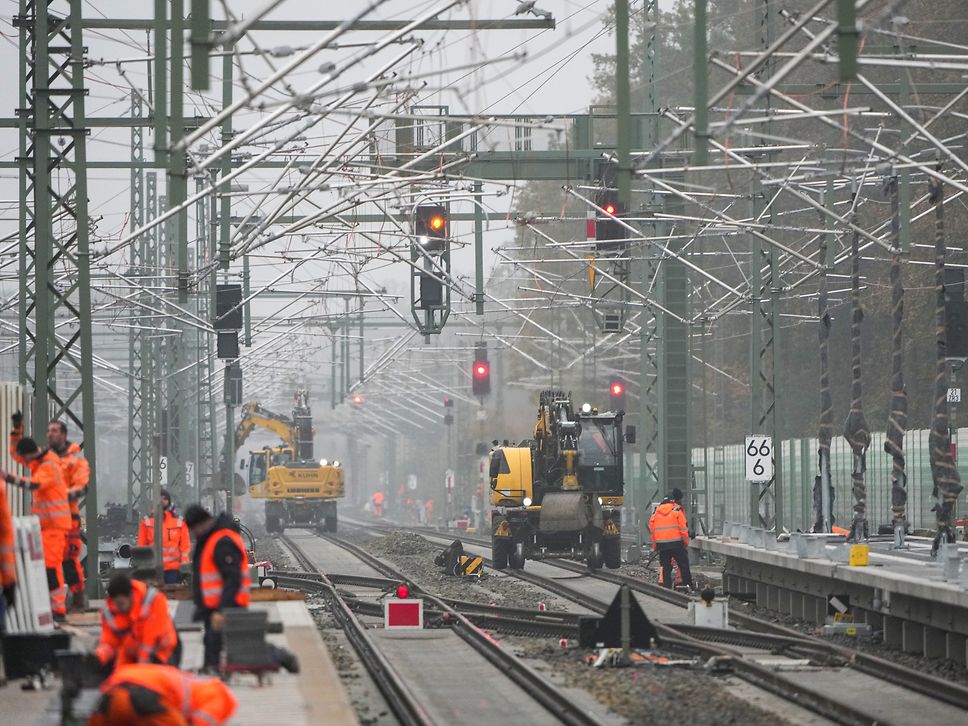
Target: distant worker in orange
[(158, 695), (378, 504), (136, 626), (48, 503), (8, 558), (670, 537), (176, 542), (77, 476), (429, 511)]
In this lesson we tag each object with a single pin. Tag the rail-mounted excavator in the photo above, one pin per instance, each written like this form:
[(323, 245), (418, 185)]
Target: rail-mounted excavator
[(299, 490), (560, 494)]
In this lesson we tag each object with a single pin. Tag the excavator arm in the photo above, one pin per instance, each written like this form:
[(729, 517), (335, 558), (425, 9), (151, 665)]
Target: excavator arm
[(255, 416)]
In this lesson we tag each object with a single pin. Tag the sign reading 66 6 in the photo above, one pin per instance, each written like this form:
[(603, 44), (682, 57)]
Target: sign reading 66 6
[(759, 458)]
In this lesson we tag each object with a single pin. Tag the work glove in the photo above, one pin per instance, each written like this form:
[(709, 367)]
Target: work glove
[(10, 595), (17, 420)]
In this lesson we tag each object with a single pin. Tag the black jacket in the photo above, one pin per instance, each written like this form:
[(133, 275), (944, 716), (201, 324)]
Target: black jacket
[(228, 560)]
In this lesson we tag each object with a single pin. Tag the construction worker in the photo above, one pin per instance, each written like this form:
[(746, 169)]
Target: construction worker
[(77, 475), (8, 558), (143, 694), (136, 626), (378, 504), (175, 543), (670, 537), (220, 574), (49, 503)]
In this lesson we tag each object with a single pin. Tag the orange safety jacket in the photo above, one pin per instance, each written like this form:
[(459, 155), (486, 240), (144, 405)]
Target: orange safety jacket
[(668, 524), (77, 475), (144, 634), (8, 555), (184, 697), (211, 579), (49, 500), (175, 543)]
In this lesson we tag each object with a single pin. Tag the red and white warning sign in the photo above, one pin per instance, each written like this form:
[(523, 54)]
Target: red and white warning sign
[(403, 612)]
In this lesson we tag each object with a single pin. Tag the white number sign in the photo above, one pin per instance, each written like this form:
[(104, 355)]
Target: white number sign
[(759, 458)]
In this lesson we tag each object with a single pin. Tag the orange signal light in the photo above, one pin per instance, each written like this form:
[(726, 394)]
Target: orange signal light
[(436, 223)]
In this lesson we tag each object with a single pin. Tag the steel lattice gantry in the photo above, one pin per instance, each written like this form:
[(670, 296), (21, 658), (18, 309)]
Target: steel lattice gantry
[(56, 358)]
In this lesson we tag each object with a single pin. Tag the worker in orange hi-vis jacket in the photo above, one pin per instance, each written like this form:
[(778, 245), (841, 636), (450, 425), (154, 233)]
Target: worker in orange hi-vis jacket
[(77, 476), (8, 558), (176, 541), (49, 504)]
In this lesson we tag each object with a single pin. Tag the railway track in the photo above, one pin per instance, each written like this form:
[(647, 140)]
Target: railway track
[(756, 633), (559, 706)]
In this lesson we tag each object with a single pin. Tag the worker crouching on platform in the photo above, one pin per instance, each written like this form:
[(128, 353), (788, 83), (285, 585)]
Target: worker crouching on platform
[(220, 574), (157, 695), (670, 537), (136, 626), (175, 543), (77, 475), (49, 503)]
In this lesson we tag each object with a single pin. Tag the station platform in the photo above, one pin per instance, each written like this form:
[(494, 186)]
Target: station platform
[(901, 593), (315, 695)]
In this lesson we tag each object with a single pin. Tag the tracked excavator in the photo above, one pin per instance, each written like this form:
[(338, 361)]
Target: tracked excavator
[(299, 490), (560, 494)]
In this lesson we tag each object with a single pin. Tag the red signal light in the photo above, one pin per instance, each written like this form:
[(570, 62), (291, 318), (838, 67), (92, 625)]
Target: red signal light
[(610, 208), (617, 389), (402, 591), (357, 398), (481, 369)]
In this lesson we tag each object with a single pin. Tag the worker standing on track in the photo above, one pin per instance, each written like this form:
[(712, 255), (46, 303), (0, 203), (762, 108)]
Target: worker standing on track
[(176, 543), (77, 476), (158, 695), (8, 559), (136, 626), (670, 537), (220, 574), (49, 503)]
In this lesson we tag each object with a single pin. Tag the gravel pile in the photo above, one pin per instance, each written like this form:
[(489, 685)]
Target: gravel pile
[(268, 548), (414, 555), (644, 694)]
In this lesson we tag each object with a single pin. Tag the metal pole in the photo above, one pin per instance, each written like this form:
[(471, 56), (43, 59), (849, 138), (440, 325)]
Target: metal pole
[(225, 211), (156, 501), (84, 296), (701, 84), (161, 83), (478, 252), (229, 459), (623, 107), (246, 309), (201, 27)]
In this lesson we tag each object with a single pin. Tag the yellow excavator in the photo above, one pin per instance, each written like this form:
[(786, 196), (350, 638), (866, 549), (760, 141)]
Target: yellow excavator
[(299, 490), (560, 494)]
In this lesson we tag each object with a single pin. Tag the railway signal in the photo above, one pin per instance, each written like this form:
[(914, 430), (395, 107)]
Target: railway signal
[(607, 230), (448, 411), (432, 227), (481, 371), (616, 390)]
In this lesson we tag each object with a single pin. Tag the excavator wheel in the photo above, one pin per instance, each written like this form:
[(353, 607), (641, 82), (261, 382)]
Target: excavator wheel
[(329, 523), (500, 552), (595, 558), (612, 552)]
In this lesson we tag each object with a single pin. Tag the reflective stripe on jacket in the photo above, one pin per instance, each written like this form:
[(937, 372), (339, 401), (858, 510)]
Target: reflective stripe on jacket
[(175, 543), (210, 577), (144, 633), (668, 524)]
